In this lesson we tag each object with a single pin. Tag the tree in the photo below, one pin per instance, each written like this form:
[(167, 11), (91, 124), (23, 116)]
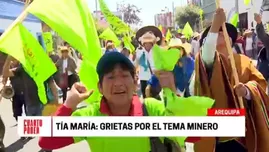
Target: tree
[(190, 13), (130, 13)]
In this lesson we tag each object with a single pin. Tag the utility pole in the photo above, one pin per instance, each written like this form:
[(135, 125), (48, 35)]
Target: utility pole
[(96, 8), (236, 6), (173, 14), (237, 10)]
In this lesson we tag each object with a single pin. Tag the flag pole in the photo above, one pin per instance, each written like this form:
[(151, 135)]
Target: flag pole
[(231, 57), (19, 19)]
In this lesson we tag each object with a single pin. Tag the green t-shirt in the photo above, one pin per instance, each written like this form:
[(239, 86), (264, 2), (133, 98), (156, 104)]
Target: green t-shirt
[(177, 106), (119, 144)]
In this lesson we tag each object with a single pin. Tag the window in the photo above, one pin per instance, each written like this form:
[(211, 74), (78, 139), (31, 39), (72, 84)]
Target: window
[(243, 21)]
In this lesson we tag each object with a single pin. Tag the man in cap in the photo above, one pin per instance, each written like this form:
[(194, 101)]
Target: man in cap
[(213, 78), (146, 36), (186, 44), (195, 46), (117, 84), (183, 39)]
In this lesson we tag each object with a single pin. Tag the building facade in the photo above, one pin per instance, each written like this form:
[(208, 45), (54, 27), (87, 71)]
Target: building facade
[(246, 13), (164, 19), (9, 11), (101, 20), (208, 6)]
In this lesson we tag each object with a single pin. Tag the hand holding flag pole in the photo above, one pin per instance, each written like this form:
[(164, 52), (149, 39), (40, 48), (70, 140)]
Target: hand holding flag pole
[(230, 52)]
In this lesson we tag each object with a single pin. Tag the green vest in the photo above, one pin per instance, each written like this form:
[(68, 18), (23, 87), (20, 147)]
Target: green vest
[(152, 106)]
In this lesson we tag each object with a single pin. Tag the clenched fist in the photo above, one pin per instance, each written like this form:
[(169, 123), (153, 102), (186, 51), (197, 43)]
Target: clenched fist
[(219, 17), (241, 90), (166, 79), (77, 94)]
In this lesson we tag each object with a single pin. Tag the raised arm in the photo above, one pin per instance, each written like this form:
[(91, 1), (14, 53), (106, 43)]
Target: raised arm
[(74, 98), (261, 33), (7, 72), (210, 42), (178, 106)]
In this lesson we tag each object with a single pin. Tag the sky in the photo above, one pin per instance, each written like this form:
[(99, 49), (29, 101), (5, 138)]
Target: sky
[(149, 7)]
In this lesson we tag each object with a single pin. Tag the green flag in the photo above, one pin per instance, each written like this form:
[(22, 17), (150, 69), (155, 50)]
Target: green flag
[(163, 59), (191, 106), (168, 35), (30, 54), (72, 20), (118, 26), (108, 34), (47, 37), (247, 2), (234, 20), (201, 12), (128, 44), (187, 30)]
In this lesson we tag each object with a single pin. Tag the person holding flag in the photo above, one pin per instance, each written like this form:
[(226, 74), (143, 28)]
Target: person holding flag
[(33, 104), (144, 59), (117, 84), (214, 78), (182, 71)]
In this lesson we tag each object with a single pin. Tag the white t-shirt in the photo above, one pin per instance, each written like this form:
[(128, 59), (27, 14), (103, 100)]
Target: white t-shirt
[(145, 75), (65, 66), (249, 42), (195, 46)]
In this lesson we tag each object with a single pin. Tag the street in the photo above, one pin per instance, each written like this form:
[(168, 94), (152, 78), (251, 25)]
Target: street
[(12, 142)]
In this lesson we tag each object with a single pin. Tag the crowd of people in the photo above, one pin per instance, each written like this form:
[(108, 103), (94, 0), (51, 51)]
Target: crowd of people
[(125, 78)]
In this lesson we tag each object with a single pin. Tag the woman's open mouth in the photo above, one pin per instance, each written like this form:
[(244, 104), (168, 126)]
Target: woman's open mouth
[(119, 92)]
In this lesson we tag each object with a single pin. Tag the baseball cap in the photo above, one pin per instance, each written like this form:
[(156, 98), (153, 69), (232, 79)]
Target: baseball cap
[(109, 60)]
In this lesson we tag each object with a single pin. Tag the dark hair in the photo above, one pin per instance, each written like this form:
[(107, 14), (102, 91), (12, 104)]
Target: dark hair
[(125, 49), (110, 67), (140, 48), (109, 41), (184, 52), (65, 43)]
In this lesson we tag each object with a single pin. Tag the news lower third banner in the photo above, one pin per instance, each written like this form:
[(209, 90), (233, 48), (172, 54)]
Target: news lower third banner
[(226, 125)]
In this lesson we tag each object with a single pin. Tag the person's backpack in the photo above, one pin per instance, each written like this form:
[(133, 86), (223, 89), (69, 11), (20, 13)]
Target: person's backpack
[(157, 145)]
